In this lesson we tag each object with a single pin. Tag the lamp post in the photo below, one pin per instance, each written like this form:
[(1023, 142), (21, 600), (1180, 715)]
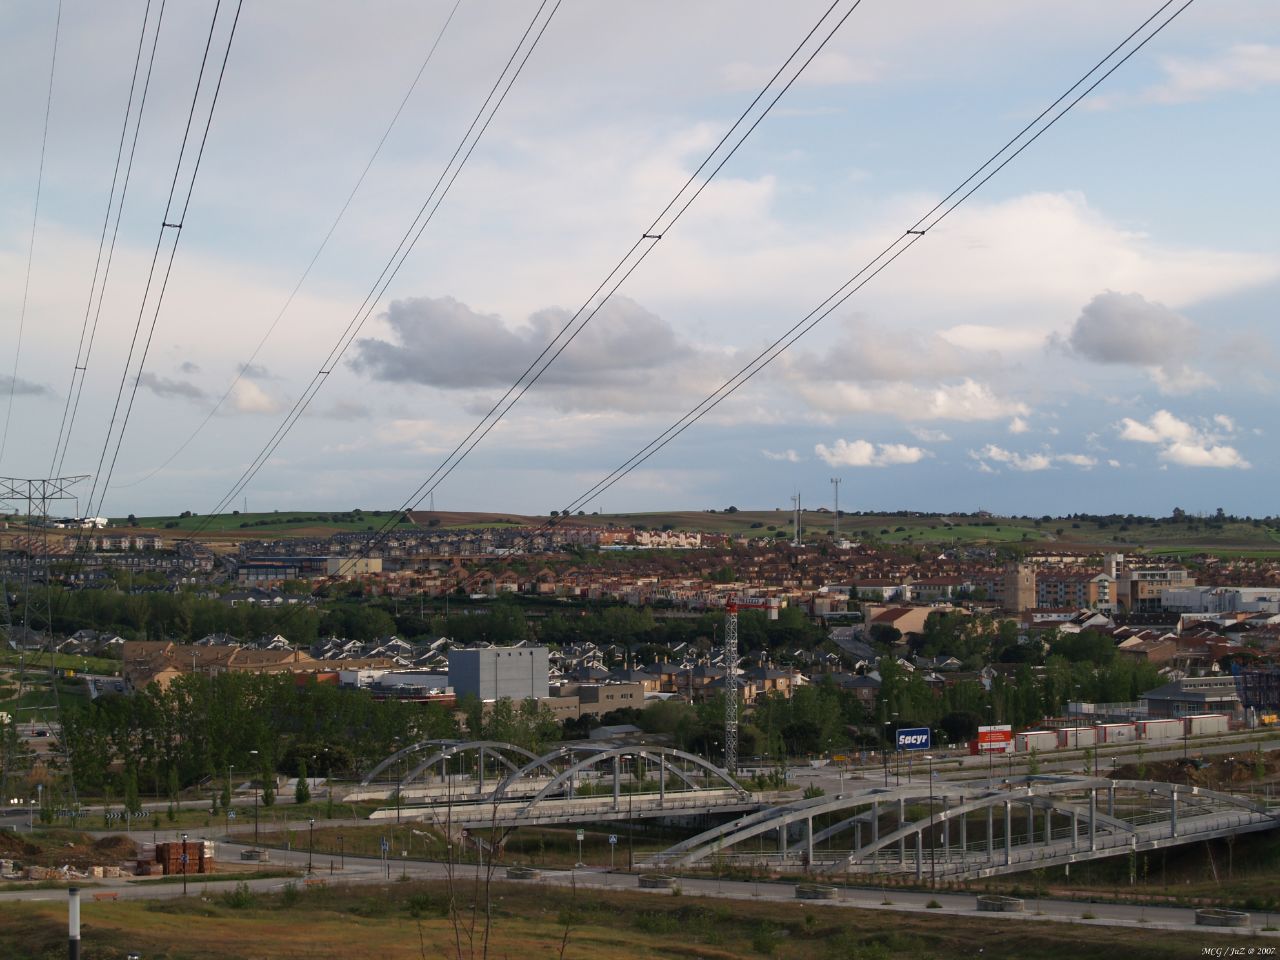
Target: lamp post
[(257, 787), (184, 864), (933, 861), (311, 841), (342, 855), (884, 752)]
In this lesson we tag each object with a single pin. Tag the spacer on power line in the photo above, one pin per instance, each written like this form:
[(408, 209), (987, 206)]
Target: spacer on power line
[(175, 226), (651, 236), (918, 233)]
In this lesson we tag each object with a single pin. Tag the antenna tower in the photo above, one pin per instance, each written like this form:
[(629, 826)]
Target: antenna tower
[(731, 688), (835, 483)]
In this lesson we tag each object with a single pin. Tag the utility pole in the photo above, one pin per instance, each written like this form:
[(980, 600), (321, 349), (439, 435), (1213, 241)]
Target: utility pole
[(835, 483)]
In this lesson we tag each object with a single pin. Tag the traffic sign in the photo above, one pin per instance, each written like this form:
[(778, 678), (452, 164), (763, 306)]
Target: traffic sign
[(231, 814), (465, 833), (581, 835), (613, 839), (385, 845), (913, 738)]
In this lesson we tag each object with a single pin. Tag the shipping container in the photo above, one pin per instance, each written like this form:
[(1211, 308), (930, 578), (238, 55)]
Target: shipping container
[(1117, 732), (1205, 723), (1039, 740), (1072, 737), (1159, 729)]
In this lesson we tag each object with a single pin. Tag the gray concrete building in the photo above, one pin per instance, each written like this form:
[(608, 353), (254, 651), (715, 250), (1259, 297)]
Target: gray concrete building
[(492, 673)]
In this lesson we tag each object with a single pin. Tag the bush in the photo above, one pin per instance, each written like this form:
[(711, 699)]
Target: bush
[(241, 898), (290, 895)]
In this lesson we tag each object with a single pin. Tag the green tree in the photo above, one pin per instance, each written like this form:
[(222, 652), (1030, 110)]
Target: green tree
[(302, 793)]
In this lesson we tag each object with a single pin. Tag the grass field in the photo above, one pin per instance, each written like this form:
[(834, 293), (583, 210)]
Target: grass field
[(1229, 538), (61, 661), (411, 920)]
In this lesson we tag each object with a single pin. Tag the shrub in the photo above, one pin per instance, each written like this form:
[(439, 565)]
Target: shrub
[(241, 898)]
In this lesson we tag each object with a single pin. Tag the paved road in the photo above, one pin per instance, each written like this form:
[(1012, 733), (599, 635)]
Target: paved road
[(366, 870)]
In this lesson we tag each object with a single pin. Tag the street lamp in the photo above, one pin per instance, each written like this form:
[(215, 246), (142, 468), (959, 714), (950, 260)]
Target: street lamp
[(311, 841), (933, 862), (884, 753), (184, 864), (254, 753)]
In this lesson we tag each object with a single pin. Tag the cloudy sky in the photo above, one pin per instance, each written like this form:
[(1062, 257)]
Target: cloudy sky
[(1093, 331)]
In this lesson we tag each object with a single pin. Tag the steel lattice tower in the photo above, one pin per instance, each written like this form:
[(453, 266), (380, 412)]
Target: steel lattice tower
[(731, 688)]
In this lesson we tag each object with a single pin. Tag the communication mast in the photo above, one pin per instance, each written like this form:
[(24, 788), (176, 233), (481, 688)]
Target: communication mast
[(731, 687), (835, 483)]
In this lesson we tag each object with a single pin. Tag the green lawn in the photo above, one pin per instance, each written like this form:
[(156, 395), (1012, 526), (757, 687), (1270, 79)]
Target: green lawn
[(61, 661)]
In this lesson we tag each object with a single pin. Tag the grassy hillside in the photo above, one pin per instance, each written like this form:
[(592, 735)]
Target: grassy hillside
[(1227, 538)]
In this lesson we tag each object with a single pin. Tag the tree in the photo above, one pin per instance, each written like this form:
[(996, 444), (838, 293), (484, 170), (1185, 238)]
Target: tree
[(302, 793)]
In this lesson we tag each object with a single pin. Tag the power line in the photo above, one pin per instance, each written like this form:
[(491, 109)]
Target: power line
[(935, 215), (87, 334), (315, 257), (175, 226), (631, 260), (892, 252), (444, 183), (35, 218)]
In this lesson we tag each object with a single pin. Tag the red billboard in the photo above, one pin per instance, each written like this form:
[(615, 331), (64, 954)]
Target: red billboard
[(996, 738)]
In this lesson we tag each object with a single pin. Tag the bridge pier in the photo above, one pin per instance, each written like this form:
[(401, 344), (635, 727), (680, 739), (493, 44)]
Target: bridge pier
[(991, 834), (919, 856), (1008, 832), (1111, 800), (808, 842), (875, 820), (617, 783), (964, 836), (1093, 819), (1075, 829), (946, 832), (1173, 811), (1048, 826), (782, 841), (902, 842)]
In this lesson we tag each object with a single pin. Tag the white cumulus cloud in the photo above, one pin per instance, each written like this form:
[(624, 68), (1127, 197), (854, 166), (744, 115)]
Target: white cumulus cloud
[(1029, 462), (1183, 443), (862, 453)]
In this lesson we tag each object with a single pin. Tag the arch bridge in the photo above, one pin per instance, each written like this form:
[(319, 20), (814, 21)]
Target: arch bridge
[(971, 830), (485, 782)]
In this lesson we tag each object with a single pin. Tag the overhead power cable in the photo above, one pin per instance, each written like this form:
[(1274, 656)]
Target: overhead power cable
[(171, 226), (448, 176), (748, 120), (35, 218), (88, 332), (324, 242), (1029, 134)]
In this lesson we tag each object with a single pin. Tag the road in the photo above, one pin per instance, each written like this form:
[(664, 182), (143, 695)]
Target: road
[(360, 870)]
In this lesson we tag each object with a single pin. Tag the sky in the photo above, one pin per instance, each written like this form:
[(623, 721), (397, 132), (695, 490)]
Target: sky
[(1092, 331)]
